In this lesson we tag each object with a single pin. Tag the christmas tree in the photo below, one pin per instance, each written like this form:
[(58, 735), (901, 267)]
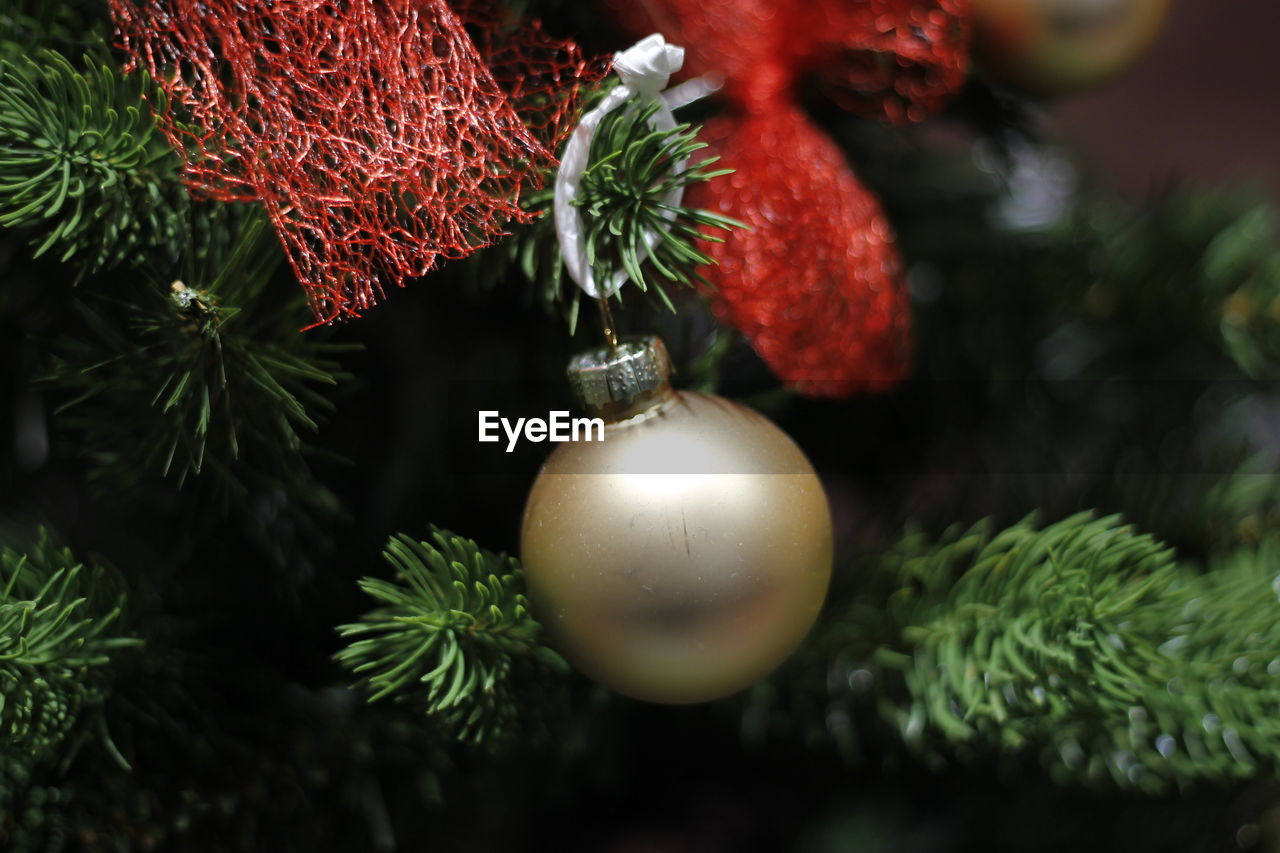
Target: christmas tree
[(263, 585)]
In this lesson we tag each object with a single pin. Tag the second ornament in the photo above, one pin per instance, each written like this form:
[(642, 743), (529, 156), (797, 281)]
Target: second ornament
[(685, 556), (1059, 47)]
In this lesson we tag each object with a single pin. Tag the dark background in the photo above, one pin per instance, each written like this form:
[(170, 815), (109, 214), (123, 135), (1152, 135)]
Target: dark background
[(1201, 107)]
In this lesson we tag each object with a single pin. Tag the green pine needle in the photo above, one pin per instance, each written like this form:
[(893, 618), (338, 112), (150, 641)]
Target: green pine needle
[(454, 635), (1084, 643), (622, 194), (81, 162), (179, 382), (56, 643)]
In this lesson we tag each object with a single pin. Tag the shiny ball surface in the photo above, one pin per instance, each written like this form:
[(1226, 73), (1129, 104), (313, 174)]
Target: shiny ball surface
[(1059, 47), (685, 556)]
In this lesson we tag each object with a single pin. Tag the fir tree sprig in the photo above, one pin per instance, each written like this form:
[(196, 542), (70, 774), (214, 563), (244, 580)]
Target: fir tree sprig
[(623, 191), (81, 162), (453, 635), (57, 640), (1084, 644), (204, 380), (623, 196)]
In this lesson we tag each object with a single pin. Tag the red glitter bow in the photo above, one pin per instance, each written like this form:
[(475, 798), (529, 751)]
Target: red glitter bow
[(378, 135), (816, 283)]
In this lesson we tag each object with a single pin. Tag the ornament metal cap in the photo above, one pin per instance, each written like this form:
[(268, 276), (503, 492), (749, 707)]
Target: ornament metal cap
[(619, 382)]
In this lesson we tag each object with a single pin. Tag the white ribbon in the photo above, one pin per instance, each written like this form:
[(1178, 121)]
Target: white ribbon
[(644, 68)]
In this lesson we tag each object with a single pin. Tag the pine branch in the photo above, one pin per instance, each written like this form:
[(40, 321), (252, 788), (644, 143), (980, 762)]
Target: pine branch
[(206, 381), (1084, 643), (82, 164), (453, 635), (55, 643), (622, 194)]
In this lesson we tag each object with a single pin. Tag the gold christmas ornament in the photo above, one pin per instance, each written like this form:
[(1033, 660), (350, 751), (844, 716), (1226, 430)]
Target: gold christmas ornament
[(1057, 47), (685, 556)]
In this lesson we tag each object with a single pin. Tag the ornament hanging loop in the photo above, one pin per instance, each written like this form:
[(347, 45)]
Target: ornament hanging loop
[(606, 317), (644, 70)]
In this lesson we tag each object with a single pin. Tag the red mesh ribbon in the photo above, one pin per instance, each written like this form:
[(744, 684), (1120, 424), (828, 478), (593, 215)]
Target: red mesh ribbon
[(379, 136), (816, 283)]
